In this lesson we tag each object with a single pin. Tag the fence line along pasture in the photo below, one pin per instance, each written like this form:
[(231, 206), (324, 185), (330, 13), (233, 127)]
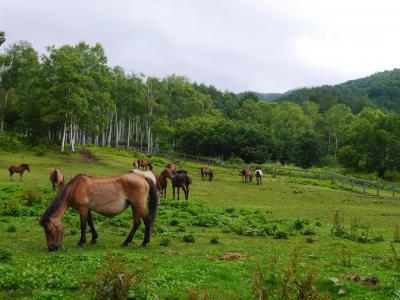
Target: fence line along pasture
[(378, 188)]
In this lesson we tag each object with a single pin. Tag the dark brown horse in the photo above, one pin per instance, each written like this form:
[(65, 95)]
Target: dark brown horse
[(57, 179), (107, 196), (206, 172), (145, 164), (247, 175), (183, 181), (20, 169), (162, 181), (172, 167)]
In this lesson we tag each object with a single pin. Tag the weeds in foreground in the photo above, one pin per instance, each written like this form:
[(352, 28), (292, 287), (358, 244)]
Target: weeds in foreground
[(396, 234), (193, 295), (345, 257), (289, 283), (113, 280), (33, 196)]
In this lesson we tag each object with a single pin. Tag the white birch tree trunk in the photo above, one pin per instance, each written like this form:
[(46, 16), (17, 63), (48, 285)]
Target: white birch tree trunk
[(63, 137)]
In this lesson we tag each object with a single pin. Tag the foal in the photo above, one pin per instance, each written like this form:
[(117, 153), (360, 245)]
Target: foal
[(20, 169), (144, 163), (56, 178), (183, 181), (247, 175), (206, 172), (162, 181)]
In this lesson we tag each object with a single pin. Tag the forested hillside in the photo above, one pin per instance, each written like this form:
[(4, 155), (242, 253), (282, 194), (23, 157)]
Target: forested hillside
[(381, 90), (71, 95)]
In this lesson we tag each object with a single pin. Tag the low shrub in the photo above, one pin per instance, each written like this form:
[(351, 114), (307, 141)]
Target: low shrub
[(188, 238), (165, 242), (281, 235), (5, 255), (11, 228), (309, 231), (214, 240)]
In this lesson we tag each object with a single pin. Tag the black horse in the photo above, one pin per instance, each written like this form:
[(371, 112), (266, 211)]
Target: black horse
[(181, 180)]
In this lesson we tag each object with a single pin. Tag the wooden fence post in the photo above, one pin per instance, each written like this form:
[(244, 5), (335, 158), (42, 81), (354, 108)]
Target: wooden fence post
[(364, 186), (352, 184), (377, 188), (393, 195)]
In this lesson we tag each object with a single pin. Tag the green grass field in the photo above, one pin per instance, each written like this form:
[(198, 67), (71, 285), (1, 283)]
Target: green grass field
[(287, 219)]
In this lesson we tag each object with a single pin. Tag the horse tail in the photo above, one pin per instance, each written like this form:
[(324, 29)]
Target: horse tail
[(150, 166), (153, 194), (54, 176)]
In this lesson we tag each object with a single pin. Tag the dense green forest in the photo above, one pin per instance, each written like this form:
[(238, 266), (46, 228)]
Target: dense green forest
[(70, 95)]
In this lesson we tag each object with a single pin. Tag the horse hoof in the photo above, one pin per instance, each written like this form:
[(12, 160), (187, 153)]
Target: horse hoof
[(143, 245), (79, 245), (93, 242), (124, 245)]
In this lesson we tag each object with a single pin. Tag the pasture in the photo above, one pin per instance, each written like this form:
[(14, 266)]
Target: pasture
[(288, 235)]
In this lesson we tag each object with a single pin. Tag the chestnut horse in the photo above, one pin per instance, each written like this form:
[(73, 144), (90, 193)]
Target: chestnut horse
[(206, 172), (247, 175), (162, 181), (56, 178), (145, 164), (259, 175), (107, 196), (172, 167), (181, 180), (20, 169)]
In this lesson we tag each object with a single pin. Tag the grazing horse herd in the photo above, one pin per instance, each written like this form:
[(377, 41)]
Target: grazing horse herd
[(112, 195)]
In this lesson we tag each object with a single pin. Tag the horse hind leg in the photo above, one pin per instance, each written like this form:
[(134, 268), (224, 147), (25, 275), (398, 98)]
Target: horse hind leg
[(92, 229), (135, 226)]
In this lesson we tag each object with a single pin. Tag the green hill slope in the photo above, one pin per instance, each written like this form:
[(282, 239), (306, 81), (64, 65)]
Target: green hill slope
[(378, 90)]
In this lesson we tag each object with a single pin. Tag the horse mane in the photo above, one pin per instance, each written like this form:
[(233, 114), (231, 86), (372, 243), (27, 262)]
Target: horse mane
[(24, 165), (55, 205)]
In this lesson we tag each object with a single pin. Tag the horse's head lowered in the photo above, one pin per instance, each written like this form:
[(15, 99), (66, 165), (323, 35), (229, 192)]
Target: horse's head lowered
[(26, 167), (54, 231)]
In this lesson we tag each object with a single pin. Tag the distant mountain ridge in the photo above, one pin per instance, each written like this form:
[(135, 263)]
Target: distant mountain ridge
[(381, 89), (267, 97)]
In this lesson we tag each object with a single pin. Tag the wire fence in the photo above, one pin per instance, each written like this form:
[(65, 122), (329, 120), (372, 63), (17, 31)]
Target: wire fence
[(378, 188)]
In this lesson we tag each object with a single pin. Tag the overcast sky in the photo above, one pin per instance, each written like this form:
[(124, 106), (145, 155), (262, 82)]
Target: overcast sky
[(260, 45)]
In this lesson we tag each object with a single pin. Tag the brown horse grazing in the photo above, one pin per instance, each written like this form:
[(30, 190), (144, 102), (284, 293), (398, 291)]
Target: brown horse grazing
[(247, 175), (259, 175), (56, 178), (107, 196), (206, 172), (162, 181), (145, 164), (183, 181), (20, 169), (172, 167)]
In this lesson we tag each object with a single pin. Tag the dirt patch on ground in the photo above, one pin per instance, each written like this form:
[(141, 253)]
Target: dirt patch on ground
[(232, 256), (87, 154), (169, 252)]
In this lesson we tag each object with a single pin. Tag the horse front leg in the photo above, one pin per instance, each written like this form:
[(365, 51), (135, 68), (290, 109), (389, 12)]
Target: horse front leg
[(92, 229), (173, 192), (83, 212), (21, 177), (178, 193)]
